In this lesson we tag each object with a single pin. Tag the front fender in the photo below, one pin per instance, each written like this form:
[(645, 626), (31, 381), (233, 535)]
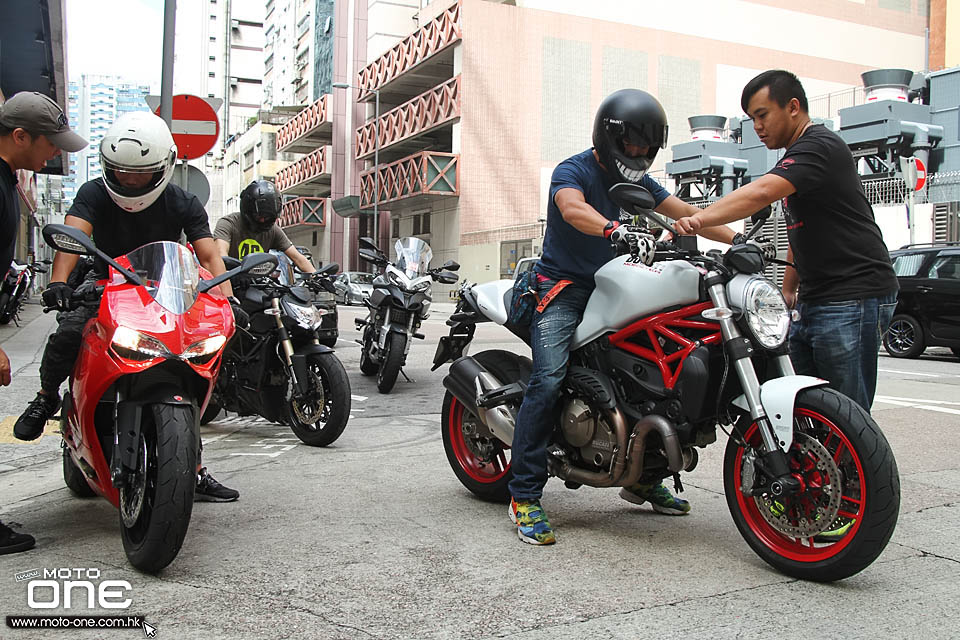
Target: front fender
[(299, 362), (778, 397)]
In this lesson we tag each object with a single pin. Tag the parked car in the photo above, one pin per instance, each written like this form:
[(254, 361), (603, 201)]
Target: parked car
[(525, 265), (353, 287), (928, 309)]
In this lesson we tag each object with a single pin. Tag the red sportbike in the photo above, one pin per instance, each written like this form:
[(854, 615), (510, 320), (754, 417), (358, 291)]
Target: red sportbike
[(147, 364)]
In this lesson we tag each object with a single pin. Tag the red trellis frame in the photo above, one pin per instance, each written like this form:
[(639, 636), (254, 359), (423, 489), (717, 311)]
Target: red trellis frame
[(664, 325)]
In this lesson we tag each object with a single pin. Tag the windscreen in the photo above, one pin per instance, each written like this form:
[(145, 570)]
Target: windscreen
[(170, 273), (413, 257)]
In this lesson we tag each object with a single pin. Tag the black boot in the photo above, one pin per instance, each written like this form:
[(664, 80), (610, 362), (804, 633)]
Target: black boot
[(13, 542), (30, 425)]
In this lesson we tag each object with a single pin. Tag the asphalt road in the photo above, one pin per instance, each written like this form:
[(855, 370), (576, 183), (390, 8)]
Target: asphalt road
[(373, 537)]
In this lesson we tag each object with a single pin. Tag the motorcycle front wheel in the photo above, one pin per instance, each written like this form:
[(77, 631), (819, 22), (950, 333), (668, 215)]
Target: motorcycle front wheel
[(849, 499), (5, 313), (157, 502), (480, 462), (319, 417), (368, 366), (392, 361)]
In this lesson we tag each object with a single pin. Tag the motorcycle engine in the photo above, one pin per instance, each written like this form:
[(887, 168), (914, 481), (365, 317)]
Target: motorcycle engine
[(588, 430)]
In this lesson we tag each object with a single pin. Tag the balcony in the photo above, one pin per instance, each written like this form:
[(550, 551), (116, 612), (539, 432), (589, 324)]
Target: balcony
[(407, 125), (308, 176), (417, 178), (427, 50), (309, 129), (309, 212)]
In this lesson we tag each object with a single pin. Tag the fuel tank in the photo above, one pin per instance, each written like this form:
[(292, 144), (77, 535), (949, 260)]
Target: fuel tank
[(628, 291)]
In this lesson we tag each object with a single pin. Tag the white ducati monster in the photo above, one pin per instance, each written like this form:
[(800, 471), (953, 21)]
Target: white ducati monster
[(664, 354)]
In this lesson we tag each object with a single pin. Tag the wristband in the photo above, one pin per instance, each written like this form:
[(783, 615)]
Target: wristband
[(609, 228)]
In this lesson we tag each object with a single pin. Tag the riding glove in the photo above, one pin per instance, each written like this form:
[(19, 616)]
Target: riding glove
[(57, 296)]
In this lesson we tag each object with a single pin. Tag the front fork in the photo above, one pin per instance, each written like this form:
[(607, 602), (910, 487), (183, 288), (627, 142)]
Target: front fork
[(286, 347), (774, 459)]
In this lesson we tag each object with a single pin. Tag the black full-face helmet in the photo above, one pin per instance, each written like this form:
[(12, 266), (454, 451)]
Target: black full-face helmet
[(260, 205), (629, 116)]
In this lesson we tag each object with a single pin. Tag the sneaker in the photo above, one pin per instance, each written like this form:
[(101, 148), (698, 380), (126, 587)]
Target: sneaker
[(209, 490), (659, 498), (30, 425), (13, 542), (532, 524)]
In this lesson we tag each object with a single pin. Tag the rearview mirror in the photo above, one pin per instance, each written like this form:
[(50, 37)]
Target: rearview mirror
[(69, 239), (762, 215), (632, 197), (451, 265)]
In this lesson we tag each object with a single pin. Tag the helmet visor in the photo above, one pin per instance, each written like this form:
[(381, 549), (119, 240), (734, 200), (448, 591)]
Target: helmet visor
[(131, 183), (623, 134)]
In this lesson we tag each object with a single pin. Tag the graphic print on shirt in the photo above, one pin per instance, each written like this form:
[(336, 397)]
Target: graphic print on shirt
[(249, 246)]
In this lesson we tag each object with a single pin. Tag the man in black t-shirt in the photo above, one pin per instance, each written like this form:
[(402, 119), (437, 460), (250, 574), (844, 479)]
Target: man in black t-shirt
[(131, 205), (847, 287)]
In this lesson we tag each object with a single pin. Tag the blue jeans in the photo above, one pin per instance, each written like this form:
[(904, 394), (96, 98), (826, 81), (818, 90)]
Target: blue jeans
[(550, 336), (838, 341)]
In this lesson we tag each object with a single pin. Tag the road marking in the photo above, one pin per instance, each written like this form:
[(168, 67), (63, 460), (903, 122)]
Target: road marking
[(919, 403), (7, 437), (917, 373)]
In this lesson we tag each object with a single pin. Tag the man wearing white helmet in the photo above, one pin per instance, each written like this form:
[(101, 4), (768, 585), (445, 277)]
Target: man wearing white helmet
[(133, 204)]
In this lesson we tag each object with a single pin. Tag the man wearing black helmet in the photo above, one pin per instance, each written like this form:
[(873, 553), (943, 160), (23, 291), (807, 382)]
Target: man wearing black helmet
[(629, 129), (254, 228)]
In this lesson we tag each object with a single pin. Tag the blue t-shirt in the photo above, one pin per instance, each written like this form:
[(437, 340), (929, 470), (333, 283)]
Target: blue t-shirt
[(570, 254)]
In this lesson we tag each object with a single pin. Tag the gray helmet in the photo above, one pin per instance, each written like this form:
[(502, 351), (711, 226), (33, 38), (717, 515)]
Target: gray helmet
[(629, 116), (260, 205)]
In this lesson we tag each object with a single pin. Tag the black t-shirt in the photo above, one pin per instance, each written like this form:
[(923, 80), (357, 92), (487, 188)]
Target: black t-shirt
[(9, 216), (117, 232), (837, 245)]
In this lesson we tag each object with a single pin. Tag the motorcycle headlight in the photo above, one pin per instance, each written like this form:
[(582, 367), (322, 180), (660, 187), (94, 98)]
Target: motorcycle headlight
[(307, 317), (204, 351), (766, 311), (396, 279), (133, 345), (422, 286)]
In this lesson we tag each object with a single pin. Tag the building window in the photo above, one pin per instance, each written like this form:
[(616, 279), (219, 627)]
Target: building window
[(416, 225), (212, 74), (395, 223), (425, 225)]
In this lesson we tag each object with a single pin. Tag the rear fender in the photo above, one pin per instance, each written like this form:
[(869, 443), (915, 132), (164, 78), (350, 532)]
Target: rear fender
[(778, 397)]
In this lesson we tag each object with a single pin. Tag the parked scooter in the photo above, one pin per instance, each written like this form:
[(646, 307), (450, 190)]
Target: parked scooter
[(400, 302), (666, 351), (144, 374), (16, 288), (276, 367)]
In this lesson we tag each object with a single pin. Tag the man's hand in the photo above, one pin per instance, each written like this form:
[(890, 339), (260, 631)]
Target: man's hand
[(766, 246), (641, 245), (4, 369), (57, 296), (688, 226), (791, 298), (240, 317)]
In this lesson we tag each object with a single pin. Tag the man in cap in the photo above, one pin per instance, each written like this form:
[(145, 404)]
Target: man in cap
[(33, 130)]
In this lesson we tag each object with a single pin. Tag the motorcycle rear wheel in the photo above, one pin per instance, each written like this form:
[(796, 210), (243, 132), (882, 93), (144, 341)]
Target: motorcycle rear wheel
[(210, 414), (5, 312), (167, 478), (74, 478), (392, 361), (869, 491), (328, 380), (368, 366), (485, 474)]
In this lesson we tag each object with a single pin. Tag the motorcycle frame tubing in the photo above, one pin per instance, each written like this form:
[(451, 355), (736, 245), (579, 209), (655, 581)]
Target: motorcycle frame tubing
[(663, 325), (98, 366)]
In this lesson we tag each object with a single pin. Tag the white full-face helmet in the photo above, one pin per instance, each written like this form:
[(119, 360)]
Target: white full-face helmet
[(138, 156)]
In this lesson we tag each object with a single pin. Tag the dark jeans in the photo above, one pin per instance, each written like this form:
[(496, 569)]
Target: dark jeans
[(550, 338), (63, 345), (838, 341)]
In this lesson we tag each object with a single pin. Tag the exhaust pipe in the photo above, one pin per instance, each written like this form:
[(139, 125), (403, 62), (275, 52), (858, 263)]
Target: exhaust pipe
[(638, 445), (467, 380)]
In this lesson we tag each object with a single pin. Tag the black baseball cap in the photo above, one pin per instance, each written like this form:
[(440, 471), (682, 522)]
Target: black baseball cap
[(38, 114)]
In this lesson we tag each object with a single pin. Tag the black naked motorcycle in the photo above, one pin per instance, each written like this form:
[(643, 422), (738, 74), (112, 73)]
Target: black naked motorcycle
[(16, 288), (276, 368), (400, 302), (674, 343)]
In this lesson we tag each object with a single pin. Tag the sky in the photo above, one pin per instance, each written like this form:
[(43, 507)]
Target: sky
[(116, 37)]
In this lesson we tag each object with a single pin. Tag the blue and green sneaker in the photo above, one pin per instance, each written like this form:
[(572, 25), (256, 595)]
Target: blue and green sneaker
[(658, 496), (532, 524)]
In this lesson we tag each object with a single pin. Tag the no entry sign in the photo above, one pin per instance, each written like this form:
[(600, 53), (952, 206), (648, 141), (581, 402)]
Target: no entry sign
[(921, 175), (195, 126)]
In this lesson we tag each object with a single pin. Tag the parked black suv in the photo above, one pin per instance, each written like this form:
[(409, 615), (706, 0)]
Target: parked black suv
[(928, 309)]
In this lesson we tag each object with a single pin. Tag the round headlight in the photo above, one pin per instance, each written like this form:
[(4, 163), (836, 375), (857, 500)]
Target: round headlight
[(767, 315)]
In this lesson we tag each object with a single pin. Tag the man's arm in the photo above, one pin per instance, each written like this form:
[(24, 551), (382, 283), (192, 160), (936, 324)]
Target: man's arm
[(791, 282), (223, 247), (675, 208), (209, 256), (578, 214), (300, 260), (4, 368), (63, 263), (742, 203)]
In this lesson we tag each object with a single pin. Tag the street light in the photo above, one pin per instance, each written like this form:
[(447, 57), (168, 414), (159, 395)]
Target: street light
[(376, 154)]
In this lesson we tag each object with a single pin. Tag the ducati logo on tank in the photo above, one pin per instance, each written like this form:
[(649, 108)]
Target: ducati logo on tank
[(654, 267)]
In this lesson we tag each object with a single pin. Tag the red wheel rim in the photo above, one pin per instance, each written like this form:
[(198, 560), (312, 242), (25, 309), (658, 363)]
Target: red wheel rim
[(477, 469), (852, 505)]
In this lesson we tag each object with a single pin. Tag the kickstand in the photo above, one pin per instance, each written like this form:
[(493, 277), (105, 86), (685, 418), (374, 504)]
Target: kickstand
[(406, 377)]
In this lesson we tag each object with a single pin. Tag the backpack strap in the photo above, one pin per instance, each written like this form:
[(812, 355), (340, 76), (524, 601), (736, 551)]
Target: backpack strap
[(548, 298)]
